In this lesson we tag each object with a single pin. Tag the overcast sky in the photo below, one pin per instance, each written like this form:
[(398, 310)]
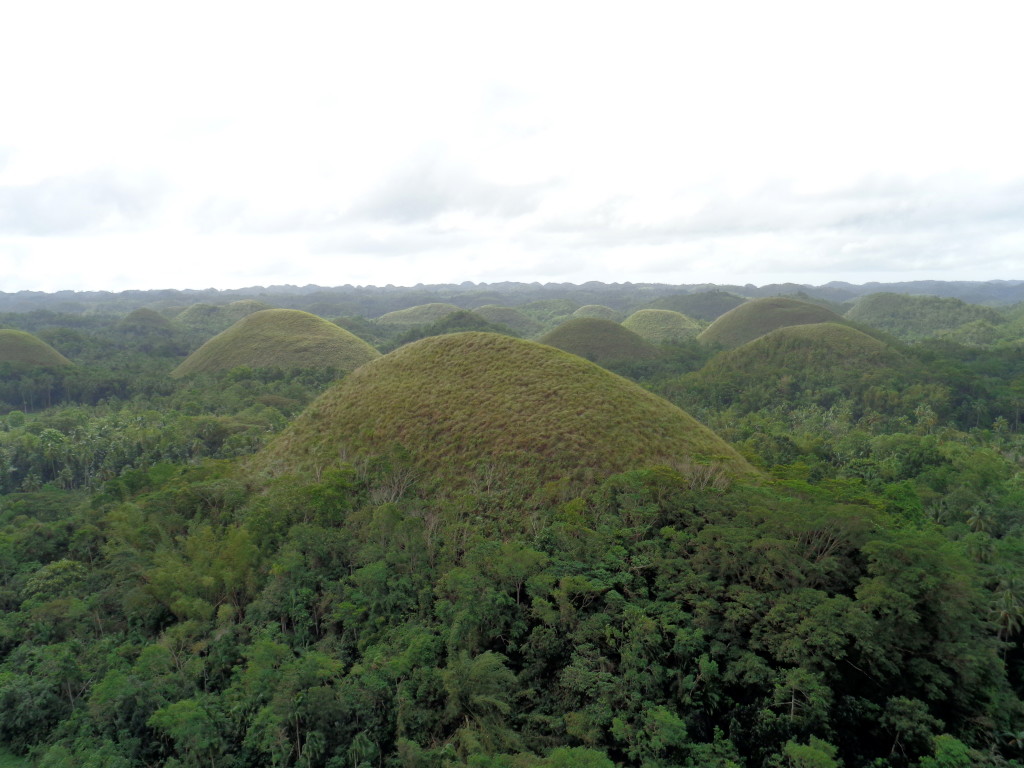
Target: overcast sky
[(217, 144)]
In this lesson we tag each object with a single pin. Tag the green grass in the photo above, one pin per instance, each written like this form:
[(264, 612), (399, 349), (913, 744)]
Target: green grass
[(659, 326), (757, 317), (601, 341), (7, 760), (467, 401), (24, 348), (285, 338), (421, 315), (510, 317), (599, 311)]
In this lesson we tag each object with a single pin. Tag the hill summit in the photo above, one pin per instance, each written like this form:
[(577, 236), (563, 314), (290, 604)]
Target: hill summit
[(468, 403), (285, 338), (26, 349), (601, 341), (757, 317)]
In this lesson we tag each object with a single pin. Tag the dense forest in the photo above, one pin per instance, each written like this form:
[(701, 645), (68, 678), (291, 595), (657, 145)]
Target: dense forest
[(477, 526)]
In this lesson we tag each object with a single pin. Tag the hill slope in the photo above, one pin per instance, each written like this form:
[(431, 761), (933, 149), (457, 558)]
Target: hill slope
[(468, 400), (658, 326), (601, 341), (757, 317), (26, 349), (510, 317), (421, 315), (286, 338), (813, 363), (918, 317), (706, 306)]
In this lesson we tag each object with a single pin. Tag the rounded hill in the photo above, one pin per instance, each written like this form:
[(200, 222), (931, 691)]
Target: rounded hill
[(25, 349), (812, 363), (601, 341), (285, 338), (599, 311), (424, 314), (757, 317), (144, 320), (918, 317), (469, 402), (659, 326), (706, 306)]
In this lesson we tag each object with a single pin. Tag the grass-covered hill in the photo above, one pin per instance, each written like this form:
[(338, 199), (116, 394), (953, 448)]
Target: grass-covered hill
[(279, 338), (421, 315), (706, 306), (919, 317), (599, 311), (25, 349), (815, 363), (757, 317), (510, 317), (659, 326), (479, 404), (601, 341), (143, 321)]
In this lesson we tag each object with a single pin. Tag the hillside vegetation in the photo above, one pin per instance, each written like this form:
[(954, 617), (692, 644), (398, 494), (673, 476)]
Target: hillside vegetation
[(25, 349), (599, 311), (420, 315), (707, 305), (759, 316), (659, 326), (815, 363), (478, 402), (282, 338), (601, 341), (510, 317), (920, 317)]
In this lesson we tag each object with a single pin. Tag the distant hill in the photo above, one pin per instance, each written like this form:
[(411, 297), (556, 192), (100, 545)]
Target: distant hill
[(919, 317), (477, 402), (285, 338), (659, 326), (757, 317), (143, 321), (420, 315), (814, 363), (509, 317), (707, 305), (601, 341), (25, 349), (599, 311)]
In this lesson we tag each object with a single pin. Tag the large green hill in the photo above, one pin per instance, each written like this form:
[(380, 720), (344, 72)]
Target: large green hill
[(601, 341), (661, 325), (919, 317), (706, 306), (283, 338), (471, 401), (757, 317), (25, 349), (599, 311)]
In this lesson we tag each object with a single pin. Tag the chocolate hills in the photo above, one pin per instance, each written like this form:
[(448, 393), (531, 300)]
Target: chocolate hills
[(918, 317), (800, 363), (420, 315), (707, 305), (599, 311), (510, 317), (601, 341), (25, 349), (465, 401), (285, 338), (659, 326), (757, 317)]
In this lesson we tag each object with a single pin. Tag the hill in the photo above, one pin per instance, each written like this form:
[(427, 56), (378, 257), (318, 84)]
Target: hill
[(659, 326), (919, 317), (25, 349), (757, 317), (799, 364), (285, 338), (478, 401), (599, 311), (420, 315), (707, 305), (601, 341), (143, 320), (510, 317)]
